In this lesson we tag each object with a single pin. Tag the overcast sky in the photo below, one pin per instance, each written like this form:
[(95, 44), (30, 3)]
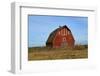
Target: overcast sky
[(39, 28)]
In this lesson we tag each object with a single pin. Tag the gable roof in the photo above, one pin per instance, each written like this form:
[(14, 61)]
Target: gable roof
[(52, 35)]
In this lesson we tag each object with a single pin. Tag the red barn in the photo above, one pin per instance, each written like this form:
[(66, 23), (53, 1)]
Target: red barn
[(60, 37)]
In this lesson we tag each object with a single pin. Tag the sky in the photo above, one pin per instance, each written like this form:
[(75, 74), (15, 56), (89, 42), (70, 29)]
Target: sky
[(40, 27)]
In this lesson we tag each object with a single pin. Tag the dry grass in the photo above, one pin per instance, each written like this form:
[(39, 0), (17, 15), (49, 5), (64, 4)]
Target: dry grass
[(46, 53)]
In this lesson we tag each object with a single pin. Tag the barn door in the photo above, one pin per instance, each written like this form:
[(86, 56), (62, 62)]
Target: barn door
[(64, 42)]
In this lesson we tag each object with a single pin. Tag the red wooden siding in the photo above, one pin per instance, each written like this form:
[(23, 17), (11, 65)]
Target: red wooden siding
[(62, 37)]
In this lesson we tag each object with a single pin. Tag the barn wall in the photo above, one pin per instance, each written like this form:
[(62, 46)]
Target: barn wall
[(63, 33)]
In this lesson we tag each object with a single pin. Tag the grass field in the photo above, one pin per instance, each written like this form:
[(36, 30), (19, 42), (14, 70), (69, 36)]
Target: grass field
[(46, 53)]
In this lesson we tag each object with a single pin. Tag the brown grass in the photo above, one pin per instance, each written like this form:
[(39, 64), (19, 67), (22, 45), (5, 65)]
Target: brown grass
[(46, 53)]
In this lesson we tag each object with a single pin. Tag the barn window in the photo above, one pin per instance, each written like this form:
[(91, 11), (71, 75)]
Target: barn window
[(64, 39), (68, 32), (59, 32), (64, 31)]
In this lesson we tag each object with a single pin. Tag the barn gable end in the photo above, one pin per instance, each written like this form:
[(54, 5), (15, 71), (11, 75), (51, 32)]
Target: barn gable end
[(55, 40)]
